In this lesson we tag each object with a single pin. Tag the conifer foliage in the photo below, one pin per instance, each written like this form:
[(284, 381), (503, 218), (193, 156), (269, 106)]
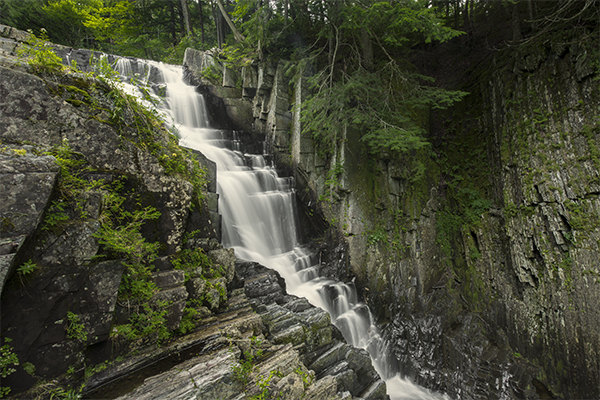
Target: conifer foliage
[(359, 52)]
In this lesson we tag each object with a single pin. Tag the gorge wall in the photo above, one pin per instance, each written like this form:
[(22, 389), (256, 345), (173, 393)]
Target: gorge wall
[(479, 255)]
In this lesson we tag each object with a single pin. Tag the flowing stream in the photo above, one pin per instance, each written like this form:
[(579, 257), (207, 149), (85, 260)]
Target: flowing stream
[(259, 221)]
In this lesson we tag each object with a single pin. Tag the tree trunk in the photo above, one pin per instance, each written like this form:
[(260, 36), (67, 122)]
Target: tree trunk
[(219, 26), (236, 34), (201, 15), (172, 24), (367, 48), (456, 13), (516, 22), (186, 17), (530, 11), (180, 19)]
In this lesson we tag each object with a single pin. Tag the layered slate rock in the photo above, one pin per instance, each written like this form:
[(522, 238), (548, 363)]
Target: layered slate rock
[(10, 39), (63, 316), (294, 321), (281, 363), (194, 62), (38, 325), (173, 292), (522, 320)]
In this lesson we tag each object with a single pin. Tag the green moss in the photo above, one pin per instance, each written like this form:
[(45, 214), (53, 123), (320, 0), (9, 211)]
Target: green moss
[(567, 266), (559, 367), (448, 226), (510, 210), (589, 132), (75, 328), (580, 215), (6, 225)]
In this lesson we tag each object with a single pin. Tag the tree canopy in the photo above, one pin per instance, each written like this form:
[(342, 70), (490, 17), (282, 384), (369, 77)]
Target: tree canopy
[(359, 51), (155, 29)]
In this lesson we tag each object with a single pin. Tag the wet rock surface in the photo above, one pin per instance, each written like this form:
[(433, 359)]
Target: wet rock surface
[(59, 291)]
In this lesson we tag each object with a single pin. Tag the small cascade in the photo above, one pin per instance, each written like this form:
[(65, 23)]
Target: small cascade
[(123, 67), (259, 222)]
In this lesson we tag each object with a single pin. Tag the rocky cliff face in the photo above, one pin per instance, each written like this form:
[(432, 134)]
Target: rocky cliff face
[(543, 113), (479, 257), (111, 269)]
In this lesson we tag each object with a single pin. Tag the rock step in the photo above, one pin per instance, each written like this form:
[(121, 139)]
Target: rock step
[(205, 340), (208, 376), (376, 391), (27, 181), (168, 279), (329, 358)]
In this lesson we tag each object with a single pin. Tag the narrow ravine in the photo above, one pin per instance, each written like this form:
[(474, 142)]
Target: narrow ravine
[(260, 223)]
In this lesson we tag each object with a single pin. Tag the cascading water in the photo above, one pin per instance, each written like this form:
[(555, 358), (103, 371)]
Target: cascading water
[(259, 222)]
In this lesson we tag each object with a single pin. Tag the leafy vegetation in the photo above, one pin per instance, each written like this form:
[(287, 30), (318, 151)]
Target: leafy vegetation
[(40, 56), (123, 215), (119, 234), (75, 328), (26, 268), (189, 260), (188, 320), (264, 384), (247, 364), (307, 378), (373, 90), (154, 29), (8, 359)]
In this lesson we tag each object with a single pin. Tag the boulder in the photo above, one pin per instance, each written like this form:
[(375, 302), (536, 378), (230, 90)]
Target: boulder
[(323, 389), (175, 299), (26, 184), (168, 279), (29, 112), (194, 62), (196, 288), (208, 376), (223, 260)]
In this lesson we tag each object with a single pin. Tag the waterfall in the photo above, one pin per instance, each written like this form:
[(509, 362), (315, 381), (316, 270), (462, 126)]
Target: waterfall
[(259, 221)]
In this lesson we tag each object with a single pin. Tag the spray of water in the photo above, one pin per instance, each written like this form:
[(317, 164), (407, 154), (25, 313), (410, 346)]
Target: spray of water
[(260, 222)]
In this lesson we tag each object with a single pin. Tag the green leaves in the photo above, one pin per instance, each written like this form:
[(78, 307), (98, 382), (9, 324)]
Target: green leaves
[(398, 23), (27, 268), (125, 238), (8, 359), (111, 22), (75, 328), (386, 106), (40, 56)]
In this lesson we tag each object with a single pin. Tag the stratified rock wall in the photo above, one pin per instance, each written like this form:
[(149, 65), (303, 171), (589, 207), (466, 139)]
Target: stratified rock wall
[(544, 116), (492, 294)]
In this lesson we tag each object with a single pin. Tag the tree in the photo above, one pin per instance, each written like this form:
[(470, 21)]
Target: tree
[(186, 17), (24, 14), (237, 35), (366, 82), (201, 15)]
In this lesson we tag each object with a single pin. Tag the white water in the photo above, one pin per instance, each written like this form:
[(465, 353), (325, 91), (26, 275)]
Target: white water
[(259, 222)]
